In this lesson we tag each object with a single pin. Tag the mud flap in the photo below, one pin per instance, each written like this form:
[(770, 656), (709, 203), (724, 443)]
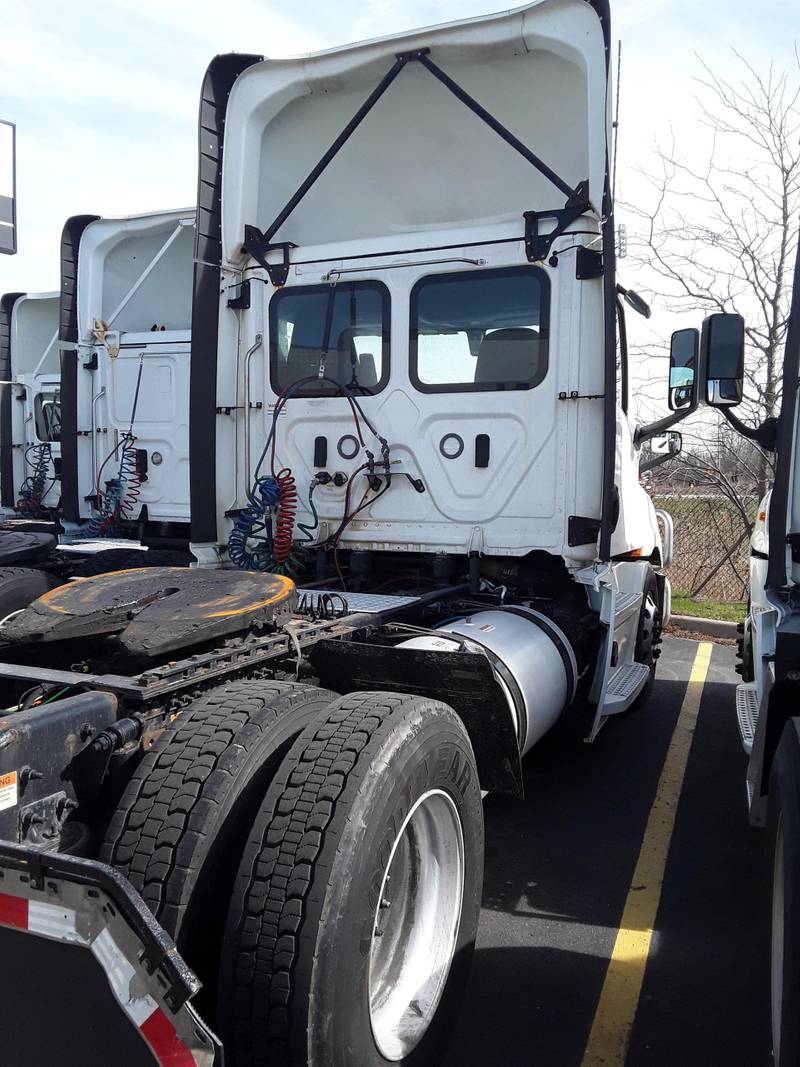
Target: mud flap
[(87, 974)]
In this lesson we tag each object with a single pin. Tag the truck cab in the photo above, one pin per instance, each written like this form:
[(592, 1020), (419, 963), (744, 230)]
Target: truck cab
[(125, 343), (769, 652), (415, 337), (31, 445)]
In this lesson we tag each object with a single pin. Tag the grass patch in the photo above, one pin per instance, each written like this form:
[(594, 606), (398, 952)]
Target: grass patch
[(706, 609)]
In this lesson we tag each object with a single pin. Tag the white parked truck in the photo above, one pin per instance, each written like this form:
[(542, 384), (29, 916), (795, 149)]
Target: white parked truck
[(421, 539), (126, 310), (30, 423), (768, 699), (106, 463)]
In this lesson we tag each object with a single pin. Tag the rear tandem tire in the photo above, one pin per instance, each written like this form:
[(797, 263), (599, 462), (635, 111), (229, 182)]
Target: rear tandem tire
[(20, 586), (181, 825), (783, 854), (377, 799)]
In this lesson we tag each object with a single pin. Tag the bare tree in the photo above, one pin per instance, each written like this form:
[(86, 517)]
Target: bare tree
[(719, 235)]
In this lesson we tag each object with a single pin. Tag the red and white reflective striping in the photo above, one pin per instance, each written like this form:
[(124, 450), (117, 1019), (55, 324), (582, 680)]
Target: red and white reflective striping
[(61, 924)]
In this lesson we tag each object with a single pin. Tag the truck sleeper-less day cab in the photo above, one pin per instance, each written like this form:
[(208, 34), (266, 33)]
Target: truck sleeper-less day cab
[(415, 506), (768, 699), (30, 424), (121, 322), (126, 359)]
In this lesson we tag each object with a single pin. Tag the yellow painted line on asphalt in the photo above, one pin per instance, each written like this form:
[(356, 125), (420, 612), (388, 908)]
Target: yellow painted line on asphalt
[(616, 1009)]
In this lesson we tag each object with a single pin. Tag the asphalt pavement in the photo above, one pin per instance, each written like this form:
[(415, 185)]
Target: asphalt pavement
[(559, 867)]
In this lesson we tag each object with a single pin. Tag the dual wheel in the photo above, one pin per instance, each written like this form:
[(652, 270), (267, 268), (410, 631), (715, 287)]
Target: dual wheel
[(319, 862)]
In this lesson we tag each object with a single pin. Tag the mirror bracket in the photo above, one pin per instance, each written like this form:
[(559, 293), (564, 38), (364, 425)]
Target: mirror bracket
[(652, 429), (765, 435), (537, 245), (656, 461)]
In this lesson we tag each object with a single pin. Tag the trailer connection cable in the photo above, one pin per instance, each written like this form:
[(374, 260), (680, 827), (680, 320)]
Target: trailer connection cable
[(34, 489), (253, 525), (275, 496), (121, 493)]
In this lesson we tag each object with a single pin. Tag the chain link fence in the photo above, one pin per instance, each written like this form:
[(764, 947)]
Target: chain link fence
[(712, 545)]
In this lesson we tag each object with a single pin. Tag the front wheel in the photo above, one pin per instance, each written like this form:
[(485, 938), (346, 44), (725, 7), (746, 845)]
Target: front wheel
[(784, 865), (355, 911), (648, 636)]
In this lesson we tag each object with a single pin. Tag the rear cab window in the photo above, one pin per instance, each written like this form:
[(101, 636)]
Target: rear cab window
[(480, 330), (47, 416), (327, 336)]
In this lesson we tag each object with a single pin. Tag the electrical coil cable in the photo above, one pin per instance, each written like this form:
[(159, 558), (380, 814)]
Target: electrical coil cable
[(34, 489), (252, 524), (284, 520), (118, 501), (278, 551), (322, 607), (130, 477)]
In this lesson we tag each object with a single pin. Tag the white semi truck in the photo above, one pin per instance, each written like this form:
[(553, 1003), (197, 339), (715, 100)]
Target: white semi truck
[(421, 539), (97, 475), (768, 699), (30, 426), (126, 309)]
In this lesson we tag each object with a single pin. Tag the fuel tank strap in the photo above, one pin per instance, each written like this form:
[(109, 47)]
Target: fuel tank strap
[(557, 636)]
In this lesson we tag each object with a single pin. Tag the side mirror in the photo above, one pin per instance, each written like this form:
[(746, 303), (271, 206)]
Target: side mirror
[(663, 447), (683, 351), (667, 444), (722, 345)]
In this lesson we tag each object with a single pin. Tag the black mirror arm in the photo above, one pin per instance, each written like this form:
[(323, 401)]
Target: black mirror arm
[(656, 461), (764, 435), (653, 429)]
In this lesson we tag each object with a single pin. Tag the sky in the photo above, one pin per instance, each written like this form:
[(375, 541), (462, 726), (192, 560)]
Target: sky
[(105, 92)]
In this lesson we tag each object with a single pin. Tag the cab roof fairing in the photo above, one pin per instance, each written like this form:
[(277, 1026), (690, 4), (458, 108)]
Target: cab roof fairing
[(283, 115), (104, 279), (34, 322)]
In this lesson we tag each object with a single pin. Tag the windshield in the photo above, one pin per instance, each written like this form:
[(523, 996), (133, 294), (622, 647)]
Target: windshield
[(479, 330), (338, 332)]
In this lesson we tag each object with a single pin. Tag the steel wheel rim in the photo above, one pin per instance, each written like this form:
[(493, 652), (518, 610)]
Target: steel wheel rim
[(776, 953), (648, 634), (416, 924)]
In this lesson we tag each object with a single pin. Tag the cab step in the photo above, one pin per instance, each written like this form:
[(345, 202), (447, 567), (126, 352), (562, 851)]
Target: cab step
[(747, 713), (624, 685)]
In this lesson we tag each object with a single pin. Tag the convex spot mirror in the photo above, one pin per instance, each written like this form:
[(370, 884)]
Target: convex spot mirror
[(722, 345), (666, 444), (683, 351)]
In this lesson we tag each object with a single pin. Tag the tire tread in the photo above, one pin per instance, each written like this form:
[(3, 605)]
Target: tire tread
[(275, 892)]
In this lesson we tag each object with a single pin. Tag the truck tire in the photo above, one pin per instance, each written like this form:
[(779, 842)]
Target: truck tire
[(783, 837), (354, 914), (20, 586), (180, 828), (648, 635)]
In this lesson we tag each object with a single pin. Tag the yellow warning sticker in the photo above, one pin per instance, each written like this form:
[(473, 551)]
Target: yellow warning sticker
[(8, 790)]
